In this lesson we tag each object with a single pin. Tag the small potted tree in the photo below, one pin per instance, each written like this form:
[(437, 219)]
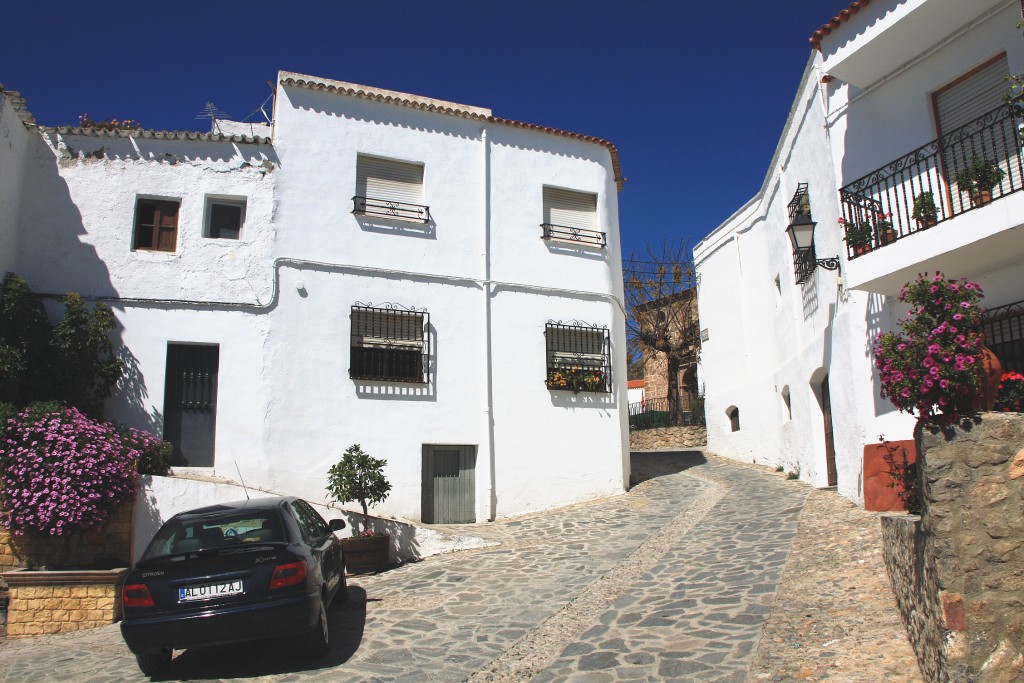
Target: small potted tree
[(857, 236), (359, 477), (978, 179), (925, 212)]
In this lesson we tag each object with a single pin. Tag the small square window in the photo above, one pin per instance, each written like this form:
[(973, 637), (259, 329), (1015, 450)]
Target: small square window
[(156, 225), (224, 219)]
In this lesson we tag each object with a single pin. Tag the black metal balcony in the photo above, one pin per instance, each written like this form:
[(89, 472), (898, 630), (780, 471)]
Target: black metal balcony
[(387, 208), (570, 234), (890, 203)]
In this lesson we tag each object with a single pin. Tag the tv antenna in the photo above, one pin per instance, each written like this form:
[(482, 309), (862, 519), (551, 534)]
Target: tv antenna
[(210, 111)]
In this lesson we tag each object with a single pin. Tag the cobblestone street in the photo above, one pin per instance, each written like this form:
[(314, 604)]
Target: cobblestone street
[(675, 581)]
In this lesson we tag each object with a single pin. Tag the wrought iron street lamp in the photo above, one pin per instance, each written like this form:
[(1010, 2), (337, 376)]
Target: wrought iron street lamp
[(801, 235)]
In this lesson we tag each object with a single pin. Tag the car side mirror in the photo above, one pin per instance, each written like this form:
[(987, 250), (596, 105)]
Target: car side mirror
[(336, 524)]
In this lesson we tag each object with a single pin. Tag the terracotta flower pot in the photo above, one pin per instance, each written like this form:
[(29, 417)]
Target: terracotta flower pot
[(981, 197), (887, 237), (991, 371), (925, 223), (366, 553), (861, 249)]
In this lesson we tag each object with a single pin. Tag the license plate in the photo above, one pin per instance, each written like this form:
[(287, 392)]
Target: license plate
[(209, 591)]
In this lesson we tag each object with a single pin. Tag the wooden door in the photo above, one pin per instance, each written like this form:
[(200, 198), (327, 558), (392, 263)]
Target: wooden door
[(190, 403), (830, 449), (449, 485)]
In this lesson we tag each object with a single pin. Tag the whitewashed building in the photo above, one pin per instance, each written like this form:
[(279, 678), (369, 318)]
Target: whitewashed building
[(373, 267), (897, 99)]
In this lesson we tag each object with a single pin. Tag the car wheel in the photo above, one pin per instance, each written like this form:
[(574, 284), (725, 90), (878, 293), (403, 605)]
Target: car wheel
[(319, 639), (154, 664)]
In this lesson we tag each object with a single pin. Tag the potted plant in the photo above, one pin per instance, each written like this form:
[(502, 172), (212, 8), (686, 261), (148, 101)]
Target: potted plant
[(886, 233), (925, 212), (978, 179), (935, 364), (359, 477), (1010, 398), (857, 236)]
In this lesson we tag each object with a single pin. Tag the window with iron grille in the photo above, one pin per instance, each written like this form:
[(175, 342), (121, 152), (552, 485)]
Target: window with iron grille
[(1003, 327), (156, 225), (578, 357), (389, 343)]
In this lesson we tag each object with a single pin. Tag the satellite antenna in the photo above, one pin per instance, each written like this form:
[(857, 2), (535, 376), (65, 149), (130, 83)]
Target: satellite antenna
[(210, 111)]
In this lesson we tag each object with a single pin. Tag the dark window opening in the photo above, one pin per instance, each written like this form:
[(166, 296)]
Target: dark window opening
[(224, 219), (734, 418), (389, 344)]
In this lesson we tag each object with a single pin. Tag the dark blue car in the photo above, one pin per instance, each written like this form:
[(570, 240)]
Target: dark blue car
[(239, 571)]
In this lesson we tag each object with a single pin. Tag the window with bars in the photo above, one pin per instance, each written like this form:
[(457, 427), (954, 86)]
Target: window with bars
[(1003, 327), (578, 358), (389, 344), (389, 189), (156, 225)]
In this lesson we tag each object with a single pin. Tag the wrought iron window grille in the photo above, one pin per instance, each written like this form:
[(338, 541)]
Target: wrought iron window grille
[(390, 343), (387, 208), (801, 236), (919, 189), (570, 234), (578, 357), (1003, 327)]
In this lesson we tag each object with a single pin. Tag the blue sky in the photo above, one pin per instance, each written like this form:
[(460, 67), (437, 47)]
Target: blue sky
[(694, 94)]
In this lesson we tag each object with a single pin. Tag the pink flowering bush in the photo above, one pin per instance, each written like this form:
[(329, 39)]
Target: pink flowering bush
[(932, 365), (154, 453), (62, 472)]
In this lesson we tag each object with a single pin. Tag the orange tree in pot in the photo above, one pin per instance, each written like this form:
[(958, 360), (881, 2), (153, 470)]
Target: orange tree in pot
[(359, 477)]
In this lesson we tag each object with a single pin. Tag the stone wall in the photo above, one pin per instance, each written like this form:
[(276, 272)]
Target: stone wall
[(57, 602), (664, 438), (960, 579), (111, 544), (915, 588)]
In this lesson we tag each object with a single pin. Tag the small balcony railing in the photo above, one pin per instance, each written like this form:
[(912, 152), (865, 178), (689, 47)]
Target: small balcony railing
[(890, 203), (661, 412), (387, 208), (570, 234), (1003, 327)]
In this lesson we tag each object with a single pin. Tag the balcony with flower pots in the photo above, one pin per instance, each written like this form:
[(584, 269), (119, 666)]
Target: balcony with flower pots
[(953, 204)]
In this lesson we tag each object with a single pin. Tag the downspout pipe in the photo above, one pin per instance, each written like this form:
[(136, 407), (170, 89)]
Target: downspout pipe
[(490, 501)]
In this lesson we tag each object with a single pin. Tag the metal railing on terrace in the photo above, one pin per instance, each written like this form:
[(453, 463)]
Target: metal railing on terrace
[(660, 412), (935, 182), (1003, 327)]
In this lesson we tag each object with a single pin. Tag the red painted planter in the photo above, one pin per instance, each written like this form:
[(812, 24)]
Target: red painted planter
[(881, 489)]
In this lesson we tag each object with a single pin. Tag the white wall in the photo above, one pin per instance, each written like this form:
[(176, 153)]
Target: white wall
[(765, 337), (15, 144), (277, 301)]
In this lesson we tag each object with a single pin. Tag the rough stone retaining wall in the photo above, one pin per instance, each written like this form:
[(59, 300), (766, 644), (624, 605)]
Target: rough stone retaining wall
[(914, 585), (663, 438), (959, 580), (57, 602)]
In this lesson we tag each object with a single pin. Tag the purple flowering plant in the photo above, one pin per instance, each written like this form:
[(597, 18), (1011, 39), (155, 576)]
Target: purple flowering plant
[(932, 365), (62, 472)]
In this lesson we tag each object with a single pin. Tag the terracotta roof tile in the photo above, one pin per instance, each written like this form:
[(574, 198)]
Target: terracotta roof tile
[(836, 22), (440, 106), (635, 384)]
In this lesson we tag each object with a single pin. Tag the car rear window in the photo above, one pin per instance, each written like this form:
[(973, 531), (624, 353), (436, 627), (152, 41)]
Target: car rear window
[(228, 530)]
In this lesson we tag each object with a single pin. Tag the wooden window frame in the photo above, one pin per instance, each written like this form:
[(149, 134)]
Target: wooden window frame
[(160, 210)]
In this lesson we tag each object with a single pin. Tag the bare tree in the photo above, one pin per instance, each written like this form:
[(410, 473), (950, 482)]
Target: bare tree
[(661, 311)]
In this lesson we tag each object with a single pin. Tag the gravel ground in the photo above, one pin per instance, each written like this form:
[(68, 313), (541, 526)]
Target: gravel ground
[(834, 616)]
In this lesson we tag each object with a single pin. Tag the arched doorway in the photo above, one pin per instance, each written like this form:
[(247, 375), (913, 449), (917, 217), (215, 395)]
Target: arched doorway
[(830, 449)]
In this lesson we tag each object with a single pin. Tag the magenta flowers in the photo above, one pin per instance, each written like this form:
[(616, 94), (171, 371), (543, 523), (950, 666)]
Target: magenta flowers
[(62, 472), (930, 365)]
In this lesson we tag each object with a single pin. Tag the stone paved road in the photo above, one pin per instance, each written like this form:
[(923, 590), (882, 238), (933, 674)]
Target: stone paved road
[(673, 581)]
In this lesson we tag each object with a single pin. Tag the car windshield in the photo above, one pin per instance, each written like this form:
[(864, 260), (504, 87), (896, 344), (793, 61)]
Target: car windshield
[(228, 530)]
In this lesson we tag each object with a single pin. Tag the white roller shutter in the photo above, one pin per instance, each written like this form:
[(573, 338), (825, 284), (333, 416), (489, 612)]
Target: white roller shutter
[(389, 180), (571, 209), (980, 93)]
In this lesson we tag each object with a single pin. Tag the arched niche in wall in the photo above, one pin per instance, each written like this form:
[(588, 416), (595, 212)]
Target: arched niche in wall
[(787, 402), (733, 413)]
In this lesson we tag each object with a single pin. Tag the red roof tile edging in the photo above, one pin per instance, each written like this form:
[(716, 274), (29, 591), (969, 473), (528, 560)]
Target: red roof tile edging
[(836, 21)]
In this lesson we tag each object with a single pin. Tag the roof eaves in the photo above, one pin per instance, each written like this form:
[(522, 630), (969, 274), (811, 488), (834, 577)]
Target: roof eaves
[(20, 108), (836, 22), (157, 135), (442, 107)]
